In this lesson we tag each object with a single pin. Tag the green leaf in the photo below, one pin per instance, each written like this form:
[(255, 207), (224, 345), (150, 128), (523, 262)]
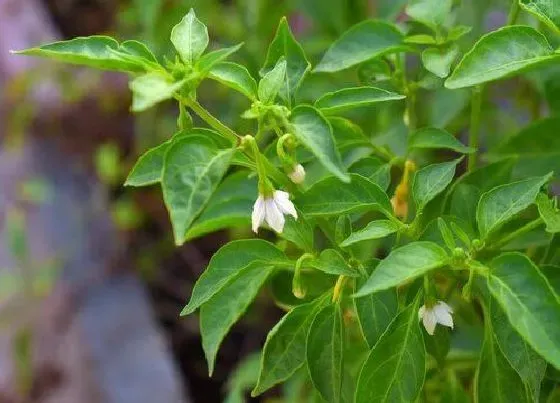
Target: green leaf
[(375, 311), (229, 206), (285, 45), (360, 194), (434, 138), (549, 213), (243, 377), (193, 168), (527, 363), (190, 38), (431, 181), (324, 352), (299, 232), (508, 51), (272, 81), (210, 59), (374, 230), (421, 39), (230, 260), (362, 42), (349, 98), (496, 381), (285, 346), (150, 89), (147, 169), (223, 309), (404, 264), (439, 60), (236, 77), (431, 13), (502, 203), (545, 10), (312, 129), (536, 148), (332, 262), (395, 368), (101, 52), (526, 297), (136, 53), (373, 169)]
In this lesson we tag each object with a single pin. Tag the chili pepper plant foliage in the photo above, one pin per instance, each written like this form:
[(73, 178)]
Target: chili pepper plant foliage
[(424, 270)]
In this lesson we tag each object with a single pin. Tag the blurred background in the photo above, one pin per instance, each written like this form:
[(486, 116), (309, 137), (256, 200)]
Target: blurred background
[(91, 284)]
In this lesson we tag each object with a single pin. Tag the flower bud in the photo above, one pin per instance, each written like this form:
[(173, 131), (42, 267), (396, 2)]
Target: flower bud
[(298, 174)]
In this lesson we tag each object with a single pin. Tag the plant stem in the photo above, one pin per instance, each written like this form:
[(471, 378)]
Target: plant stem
[(228, 133), (476, 103), (526, 228), (211, 120), (513, 12)]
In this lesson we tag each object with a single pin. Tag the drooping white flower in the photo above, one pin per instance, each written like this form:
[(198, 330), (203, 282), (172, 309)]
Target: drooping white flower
[(272, 210), (298, 174), (438, 313)]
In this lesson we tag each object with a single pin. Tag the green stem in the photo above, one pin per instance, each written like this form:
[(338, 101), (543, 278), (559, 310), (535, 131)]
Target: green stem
[(512, 235), (211, 120), (513, 12), (476, 103), (228, 133)]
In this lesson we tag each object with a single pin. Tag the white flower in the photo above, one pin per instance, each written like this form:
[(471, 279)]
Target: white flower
[(439, 313), (298, 174), (272, 210)]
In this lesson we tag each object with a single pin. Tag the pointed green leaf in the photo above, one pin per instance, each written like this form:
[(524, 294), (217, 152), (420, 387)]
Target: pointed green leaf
[(243, 378), (285, 45), (526, 297), (502, 203), (284, 349), (496, 381), (313, 131), (527, 363), (536, 148), (101, 52), (421, 39), (148, 168), (228, 262), (404, 264), (439, 61), (193, 168), (229, 206), (432, 137), (360, 194), (502, 53), (324, 352), (362, 42), (270, 84), (150, 89), (431, 13), (332, 262), (431, 181), (545, 10), (373, 169), (349, 98), (549, 213), (190, 38), (395, 368), (299, 232), (223, 309), (138, 53), (374, 230), (236, 77), (210, 59), (375, 311)]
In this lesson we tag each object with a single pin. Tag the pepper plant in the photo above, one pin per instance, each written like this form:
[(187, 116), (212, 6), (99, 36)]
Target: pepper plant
[(415, 259)]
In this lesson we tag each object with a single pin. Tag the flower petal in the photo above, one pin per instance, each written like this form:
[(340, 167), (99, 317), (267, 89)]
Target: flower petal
[(257, 217), (429, 321), (274, 216), (421, 312), (284, 204), (443, 316), (443, 305)]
